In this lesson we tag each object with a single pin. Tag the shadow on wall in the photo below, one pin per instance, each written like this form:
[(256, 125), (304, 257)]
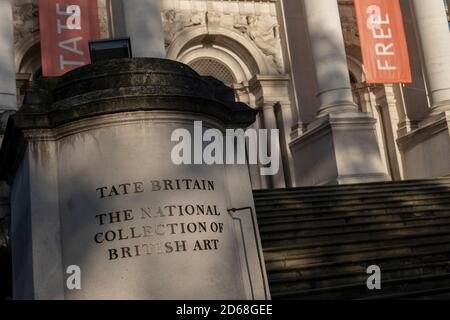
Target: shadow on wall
[(5, 246), (5, 273)]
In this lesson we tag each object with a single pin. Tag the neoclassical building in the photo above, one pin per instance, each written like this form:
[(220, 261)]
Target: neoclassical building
[(297, 62)]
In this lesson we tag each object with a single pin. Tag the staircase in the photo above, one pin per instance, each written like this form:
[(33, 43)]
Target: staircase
[(319, 241)]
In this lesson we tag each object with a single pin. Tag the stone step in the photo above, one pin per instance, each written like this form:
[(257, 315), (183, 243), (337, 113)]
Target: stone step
[(340, 271), (436, 204), (400, 288), (442, 293), (284, 254), (360, 231), (293, 215), (357, 276), (299, 203), (285, 251), (348, 217), (351, 204), (319, 241), (272, 243), (378, 187), (329, 224), (338, 261), (354, 195)]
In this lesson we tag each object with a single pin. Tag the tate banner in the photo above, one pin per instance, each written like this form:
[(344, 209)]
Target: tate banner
[(66, 27), (383, 41)]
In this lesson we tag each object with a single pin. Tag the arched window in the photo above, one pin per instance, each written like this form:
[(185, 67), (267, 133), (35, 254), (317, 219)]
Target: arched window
[(214, 68)]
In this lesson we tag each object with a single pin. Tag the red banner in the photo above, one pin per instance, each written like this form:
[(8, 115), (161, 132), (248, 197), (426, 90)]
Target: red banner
[(66, 28), (383, 41)]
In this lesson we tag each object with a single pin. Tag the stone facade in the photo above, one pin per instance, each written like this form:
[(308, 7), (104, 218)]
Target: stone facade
[(263, 49)]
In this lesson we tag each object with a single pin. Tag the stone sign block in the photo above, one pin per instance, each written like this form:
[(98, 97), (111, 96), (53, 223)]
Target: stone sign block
[(88, 159)]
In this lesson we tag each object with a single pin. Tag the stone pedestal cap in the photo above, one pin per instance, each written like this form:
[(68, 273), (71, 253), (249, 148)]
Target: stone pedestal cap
[(114, 86)]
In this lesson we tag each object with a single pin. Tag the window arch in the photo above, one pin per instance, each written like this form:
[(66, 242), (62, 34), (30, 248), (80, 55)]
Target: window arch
[(212, 67)]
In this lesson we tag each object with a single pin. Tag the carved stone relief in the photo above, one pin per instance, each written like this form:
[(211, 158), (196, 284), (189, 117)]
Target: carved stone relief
[(264, 35), (256, 20), (349, 23), (174, 22), (26, 19)]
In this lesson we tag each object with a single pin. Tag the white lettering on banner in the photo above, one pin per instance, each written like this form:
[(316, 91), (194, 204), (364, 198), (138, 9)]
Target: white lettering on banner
[(381, 30), (71, 21), (71, 45), (63, 62)]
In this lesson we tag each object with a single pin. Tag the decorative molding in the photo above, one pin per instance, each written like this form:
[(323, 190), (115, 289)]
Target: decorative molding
[(422, 134), (257, 21), (349, 23), (174, 22), (265, 36)]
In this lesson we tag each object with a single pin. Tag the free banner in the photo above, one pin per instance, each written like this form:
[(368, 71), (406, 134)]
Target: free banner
[(383, 41), (66, 27)]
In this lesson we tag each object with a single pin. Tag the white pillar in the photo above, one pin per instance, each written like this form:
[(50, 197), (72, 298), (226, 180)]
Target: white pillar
[(144, 26), (8, 99), (277, 181), (328, 49), (434, 34)]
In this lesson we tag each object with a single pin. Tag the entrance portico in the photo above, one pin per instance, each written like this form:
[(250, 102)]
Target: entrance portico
[(300, 84)]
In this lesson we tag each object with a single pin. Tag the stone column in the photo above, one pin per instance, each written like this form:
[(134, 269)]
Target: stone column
[(340, 146), (144, 26), (435, 37), (270, 123), (7, 66), (269, 91), (328, 50), (425, 137)]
